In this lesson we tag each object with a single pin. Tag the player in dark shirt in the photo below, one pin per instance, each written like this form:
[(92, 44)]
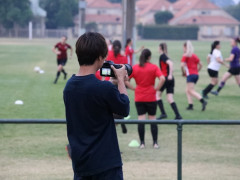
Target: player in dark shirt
[(166, 66), (60, 49), (89, 105)]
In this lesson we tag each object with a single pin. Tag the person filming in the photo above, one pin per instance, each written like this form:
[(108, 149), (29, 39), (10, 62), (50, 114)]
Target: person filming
[(89, 106)]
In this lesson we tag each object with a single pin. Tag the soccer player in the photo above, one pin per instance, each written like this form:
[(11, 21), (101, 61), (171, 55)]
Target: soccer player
[(129, 51), (215, 60), (89, 105), (234, 69), (60, 49), (191, 65), (166, 66), (145, 74), (115, 54)]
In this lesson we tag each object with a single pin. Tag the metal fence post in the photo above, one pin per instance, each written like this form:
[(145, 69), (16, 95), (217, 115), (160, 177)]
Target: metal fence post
[(179, 151)]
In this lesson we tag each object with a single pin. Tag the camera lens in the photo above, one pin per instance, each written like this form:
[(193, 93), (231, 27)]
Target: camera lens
[(129, 69)]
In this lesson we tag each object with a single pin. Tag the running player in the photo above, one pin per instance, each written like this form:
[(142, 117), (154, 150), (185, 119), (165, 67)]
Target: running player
[(234, 66), (129, 51), (145, 74), (60, 49), (191, 65), (215, 60), (166, 66)]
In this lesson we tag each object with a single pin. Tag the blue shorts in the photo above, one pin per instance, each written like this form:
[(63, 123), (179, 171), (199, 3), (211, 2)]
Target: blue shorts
[(193, 78), (111, 174)]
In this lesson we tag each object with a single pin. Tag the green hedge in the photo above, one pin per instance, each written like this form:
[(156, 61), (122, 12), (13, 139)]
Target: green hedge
[(168, 32)]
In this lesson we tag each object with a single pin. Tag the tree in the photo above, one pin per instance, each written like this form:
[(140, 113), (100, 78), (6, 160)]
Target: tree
[(234, 11), (162, 17), (14, 13), (60, 13)]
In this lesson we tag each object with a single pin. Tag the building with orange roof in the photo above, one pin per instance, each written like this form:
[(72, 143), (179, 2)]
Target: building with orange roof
[(106, 15), (213, 22), (145, 10)]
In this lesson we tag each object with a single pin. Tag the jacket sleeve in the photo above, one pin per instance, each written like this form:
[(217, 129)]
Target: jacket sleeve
[(118, 103)]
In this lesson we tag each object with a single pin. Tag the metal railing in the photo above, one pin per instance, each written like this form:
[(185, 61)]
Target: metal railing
[(179, 124)]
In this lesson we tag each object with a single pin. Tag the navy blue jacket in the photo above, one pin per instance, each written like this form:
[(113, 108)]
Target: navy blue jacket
[(89, 105)]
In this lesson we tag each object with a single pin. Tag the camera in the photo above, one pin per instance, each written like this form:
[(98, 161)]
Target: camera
[(106, 69)]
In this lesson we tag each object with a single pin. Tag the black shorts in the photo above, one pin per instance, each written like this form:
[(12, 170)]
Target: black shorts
[(234, 71), (193, 78), (169, 85), (61, 62), (146, 107), (213, 73)]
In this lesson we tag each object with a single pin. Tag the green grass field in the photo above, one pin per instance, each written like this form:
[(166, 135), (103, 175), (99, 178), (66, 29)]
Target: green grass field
[(38, 151)]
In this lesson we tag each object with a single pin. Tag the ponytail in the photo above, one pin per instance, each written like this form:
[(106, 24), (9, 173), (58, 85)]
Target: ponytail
[(214, 45), (189, 48), (116, 47), (146, 53), (163, 47), (127, 42)]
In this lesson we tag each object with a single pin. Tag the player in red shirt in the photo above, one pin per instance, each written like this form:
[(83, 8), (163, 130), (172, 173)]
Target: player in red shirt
[(191, 65), (129, 51), (145, 74), (60, 49), (115, 54), (166, 66)]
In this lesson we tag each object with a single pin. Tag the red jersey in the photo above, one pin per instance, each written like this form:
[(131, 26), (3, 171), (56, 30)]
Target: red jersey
[(98, 76), (163, 64), (120, 59), (145, 80), (62, 48), (191, 64), (129, 53)]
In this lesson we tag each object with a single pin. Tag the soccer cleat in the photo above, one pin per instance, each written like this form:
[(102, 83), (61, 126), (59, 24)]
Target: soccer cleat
[(162, 116), (55, 81), (142, 146), (189, 108), (155, 146), (214, 93), (204, 104)]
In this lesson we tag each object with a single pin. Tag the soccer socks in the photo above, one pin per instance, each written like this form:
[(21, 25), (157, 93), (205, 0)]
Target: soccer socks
[(57, 76), (175, 109), (63, 71), (141, 132), (154, 131), (220, 86), (208, 89), (161, 107)]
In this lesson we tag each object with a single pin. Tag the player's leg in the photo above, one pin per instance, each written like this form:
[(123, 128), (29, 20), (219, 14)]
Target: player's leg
[(196, 95), (189, 99), (214, 80), (225, 77), (59, 69), (160, 102), (237, 78), (141, 110), (151, 110), (63, 71), (170, 91)]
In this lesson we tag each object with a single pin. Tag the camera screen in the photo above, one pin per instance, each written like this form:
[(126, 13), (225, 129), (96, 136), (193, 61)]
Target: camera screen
[(106, 71)]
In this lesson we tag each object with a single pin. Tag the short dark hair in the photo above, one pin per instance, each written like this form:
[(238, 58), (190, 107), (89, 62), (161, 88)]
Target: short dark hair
[(89, 47)]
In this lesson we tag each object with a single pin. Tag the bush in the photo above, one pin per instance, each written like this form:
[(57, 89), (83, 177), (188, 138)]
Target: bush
[(162, 17), (169, 32)]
